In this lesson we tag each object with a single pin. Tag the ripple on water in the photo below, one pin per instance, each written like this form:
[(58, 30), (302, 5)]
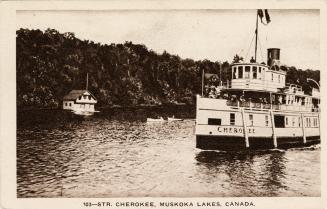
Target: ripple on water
[(104, 158)]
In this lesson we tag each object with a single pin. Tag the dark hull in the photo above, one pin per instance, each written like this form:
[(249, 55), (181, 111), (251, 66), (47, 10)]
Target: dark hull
[(238, 143)]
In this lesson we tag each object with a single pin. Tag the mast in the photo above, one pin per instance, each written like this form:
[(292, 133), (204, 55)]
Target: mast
[(256, 39), (202, 81), (87, 80), (220, 81)]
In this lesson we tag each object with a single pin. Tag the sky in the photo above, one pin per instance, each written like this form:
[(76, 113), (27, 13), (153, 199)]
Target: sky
[(216, 35)]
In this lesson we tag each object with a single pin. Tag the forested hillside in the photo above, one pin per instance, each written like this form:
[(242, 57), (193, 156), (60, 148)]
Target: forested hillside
[(50, 64)]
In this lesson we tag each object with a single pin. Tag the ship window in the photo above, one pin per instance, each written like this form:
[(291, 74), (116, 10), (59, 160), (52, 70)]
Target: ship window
[(247, 72), (65, 104), (279, 121), (272, 76), (234, 73), (267, 120), (79, 97), (278, 78), (240, 71), (232, 119), (254, 69), (214, 121), (70, 104), (89, 97), (251, 119), (84, 96), (299, 120), (286, 121), (259, 73)]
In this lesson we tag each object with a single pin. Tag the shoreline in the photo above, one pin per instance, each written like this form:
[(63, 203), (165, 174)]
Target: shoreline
[(43, 116), (19, 109)]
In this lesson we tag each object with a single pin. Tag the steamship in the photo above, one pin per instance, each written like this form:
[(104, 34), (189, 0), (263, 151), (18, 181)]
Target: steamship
[(258, 109)]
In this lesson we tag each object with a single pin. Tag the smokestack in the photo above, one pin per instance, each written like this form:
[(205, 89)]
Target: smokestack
[(273, 57)]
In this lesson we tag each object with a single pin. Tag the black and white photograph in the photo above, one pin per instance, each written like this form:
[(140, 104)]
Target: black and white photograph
[(168, 103)]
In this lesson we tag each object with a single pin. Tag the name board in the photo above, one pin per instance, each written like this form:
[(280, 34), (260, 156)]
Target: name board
[(234, 130)]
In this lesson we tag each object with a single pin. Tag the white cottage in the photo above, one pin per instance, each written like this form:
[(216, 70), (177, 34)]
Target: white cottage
[(80, 102)]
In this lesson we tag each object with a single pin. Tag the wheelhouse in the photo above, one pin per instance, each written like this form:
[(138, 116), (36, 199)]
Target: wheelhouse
[(257, 77)]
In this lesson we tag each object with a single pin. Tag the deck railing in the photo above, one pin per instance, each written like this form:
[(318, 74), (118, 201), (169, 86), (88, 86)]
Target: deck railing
[(254, 105)]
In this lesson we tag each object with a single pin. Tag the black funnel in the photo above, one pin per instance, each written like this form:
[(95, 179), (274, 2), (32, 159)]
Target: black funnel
[(273, 56)]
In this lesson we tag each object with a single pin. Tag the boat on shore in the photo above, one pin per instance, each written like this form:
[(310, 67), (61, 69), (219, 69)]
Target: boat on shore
[(257, 109)]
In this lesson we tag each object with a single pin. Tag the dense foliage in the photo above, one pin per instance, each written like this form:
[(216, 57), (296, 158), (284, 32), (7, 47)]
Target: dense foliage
[(50, 64)]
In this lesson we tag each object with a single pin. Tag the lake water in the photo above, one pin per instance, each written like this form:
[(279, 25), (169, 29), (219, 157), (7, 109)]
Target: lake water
[(107, 157)]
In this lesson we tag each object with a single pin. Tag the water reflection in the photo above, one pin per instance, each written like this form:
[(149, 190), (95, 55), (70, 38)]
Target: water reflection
[(262, 170)]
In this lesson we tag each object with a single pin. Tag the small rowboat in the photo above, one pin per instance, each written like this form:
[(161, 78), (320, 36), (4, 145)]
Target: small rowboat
[(155, 119), (174, 119)]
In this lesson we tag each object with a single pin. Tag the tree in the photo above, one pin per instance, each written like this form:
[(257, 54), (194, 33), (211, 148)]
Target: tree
[(50, 64)]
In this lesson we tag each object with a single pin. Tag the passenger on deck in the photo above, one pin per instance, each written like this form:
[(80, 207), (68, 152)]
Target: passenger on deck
[(233, 98), (242, 99), (225, 96), (217, 92), (206, 90), (280, 99), (212, 93)]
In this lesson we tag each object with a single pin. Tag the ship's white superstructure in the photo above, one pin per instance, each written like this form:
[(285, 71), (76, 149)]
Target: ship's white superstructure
[(257, 109)]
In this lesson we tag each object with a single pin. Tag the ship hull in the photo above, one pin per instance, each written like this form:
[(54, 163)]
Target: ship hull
[(226, 143)]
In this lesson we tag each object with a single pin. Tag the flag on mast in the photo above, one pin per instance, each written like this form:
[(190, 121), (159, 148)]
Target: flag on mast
[(264, 15)]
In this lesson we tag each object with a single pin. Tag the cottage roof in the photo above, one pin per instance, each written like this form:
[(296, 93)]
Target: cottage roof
[(74, 94)]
